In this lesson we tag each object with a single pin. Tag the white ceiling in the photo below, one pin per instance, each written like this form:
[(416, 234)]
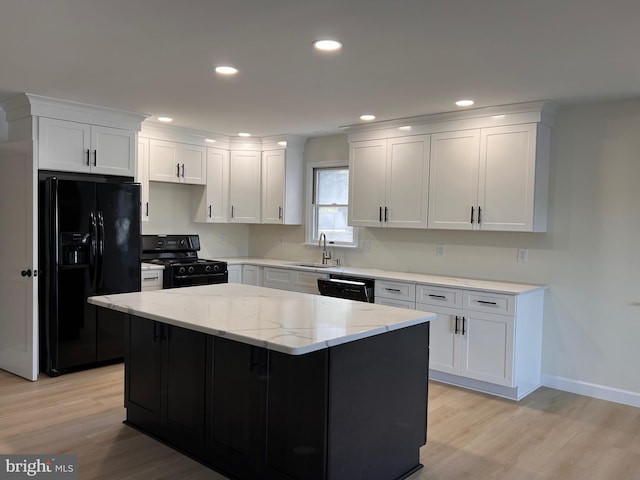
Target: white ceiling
[(401, 58)]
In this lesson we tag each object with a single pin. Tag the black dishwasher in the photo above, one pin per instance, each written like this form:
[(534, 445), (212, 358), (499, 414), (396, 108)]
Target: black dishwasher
[(352, 288)]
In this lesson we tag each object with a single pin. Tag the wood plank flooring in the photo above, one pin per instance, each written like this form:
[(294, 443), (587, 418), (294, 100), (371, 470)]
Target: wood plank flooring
[(548, 435)]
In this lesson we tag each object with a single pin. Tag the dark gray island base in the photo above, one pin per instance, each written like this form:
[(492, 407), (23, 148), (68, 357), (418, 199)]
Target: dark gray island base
[(357, 410)]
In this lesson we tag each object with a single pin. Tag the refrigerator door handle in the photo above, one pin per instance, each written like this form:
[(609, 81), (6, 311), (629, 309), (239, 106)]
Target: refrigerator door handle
[(100, 249), (93, 254)]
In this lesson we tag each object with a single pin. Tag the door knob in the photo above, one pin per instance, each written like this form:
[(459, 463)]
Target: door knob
[(26, 273)]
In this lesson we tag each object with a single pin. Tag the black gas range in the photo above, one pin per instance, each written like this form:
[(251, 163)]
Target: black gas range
[(179, 256)]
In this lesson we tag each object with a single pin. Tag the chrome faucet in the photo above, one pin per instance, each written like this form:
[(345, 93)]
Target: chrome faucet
[(322, 242)]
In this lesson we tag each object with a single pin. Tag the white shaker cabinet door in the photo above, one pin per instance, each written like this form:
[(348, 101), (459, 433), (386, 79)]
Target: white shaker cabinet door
[(113, 151), (507, 177), (367, 176), (487, 348), (407, 182), (444, 338), (164, 162), (193, 169), (64, 145), (244, 186), (273, 186), (453, 180), (142, 176)]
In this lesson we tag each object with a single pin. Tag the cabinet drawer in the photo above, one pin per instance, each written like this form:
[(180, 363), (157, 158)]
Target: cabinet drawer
[(490, 303), (277, 278), (396, 303), (395, 290), (307, 282), (151, 280), (446, 297)]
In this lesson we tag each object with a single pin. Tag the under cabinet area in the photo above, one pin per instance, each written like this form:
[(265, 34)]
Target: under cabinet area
[(485, 341), (78, 147)]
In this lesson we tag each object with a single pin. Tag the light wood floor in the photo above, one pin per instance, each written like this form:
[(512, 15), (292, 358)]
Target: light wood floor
[(549, 435)]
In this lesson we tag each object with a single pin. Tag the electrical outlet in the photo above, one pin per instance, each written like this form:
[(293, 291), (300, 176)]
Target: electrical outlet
[(366, 245), (440, 250), (523, 255)]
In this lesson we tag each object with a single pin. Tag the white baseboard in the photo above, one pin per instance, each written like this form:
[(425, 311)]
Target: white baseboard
[(601, 392)]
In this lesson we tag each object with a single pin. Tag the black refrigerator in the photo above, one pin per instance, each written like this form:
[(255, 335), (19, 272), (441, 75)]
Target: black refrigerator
[(89, 244)]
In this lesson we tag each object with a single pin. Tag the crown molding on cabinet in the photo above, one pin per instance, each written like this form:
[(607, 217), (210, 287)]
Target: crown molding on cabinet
[(30, 105), (531, 112)]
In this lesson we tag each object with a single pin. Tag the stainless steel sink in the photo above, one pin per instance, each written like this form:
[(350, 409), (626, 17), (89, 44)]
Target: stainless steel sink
[(312, 265)]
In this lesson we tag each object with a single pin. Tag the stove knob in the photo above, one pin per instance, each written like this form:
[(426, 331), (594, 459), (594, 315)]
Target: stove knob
[(207, 268), (216, 268), (191, 269), (181, 270)]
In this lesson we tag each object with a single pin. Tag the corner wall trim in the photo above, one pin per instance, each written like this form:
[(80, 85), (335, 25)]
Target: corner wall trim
[(594, 390)]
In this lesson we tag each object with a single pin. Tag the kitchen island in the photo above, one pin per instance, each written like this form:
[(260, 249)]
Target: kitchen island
[(262, 383)]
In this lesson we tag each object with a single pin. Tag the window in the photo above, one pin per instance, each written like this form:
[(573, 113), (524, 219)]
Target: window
[(329, 212)]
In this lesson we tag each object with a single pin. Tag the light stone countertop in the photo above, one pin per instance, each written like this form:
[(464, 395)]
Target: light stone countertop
[(288, 322), (493, 286)]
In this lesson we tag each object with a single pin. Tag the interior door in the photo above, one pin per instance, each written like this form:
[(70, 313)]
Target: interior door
[(18, 287)]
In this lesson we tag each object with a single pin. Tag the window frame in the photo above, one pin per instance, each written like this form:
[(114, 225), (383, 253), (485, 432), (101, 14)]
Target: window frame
[(309, 195)]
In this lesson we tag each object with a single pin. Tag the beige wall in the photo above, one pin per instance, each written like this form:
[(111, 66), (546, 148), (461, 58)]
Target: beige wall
[(590, 257), (170, 213)]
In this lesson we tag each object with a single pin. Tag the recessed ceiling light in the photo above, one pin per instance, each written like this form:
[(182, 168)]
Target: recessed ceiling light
[(367, 117), (327, 45), (244, 134), (226, 70), (498, 117), (209, 140), (282, 143), (464, 103), (405, 128), (165, 119)]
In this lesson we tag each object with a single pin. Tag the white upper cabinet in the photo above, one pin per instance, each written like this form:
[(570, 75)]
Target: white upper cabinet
[(211, 204), (244, 186), (490, 179), (177, 162), (142, 177), (282, 187), (389, 182), (79, 147), (367, 175), (453, 179)]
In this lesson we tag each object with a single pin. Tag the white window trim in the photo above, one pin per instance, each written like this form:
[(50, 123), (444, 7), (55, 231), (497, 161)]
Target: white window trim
[(309, 202)]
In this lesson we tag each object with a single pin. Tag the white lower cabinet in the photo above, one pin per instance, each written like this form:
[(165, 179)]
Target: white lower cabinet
[(251, 275), (151, 279), (474, 341), (395, 294), (235, 273), (293, 280)]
